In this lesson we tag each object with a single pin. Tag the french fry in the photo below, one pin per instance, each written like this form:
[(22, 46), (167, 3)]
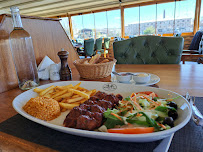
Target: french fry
[(74, 99), (93, 92), (63, 109), (46, 90), (59, 93), (64, 87), (49, 93), (75, 96), (66, 95), (64, 100), (82, 89), (77, 85), (82, 101), (38, 90), (83, 94), (68, 106)]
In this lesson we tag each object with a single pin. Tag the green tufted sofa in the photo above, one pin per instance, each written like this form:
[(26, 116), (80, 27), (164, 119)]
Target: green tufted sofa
[(149, 50)]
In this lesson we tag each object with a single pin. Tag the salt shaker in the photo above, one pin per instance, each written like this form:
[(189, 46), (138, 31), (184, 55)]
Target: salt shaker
[(54, 72), (65, 72)]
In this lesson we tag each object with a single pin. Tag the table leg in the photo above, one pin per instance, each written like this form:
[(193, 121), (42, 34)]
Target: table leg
[(104, 53)]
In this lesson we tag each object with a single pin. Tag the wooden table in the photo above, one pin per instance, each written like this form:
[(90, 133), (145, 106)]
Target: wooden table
[(178, 78)]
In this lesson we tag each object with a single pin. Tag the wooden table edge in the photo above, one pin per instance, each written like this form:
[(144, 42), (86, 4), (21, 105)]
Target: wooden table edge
[(12, 143)]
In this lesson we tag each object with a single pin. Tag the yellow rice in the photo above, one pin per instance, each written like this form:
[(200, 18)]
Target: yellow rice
[(43, 108)]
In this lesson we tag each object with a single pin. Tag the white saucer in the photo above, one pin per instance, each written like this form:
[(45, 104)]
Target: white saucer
[(153, 80)]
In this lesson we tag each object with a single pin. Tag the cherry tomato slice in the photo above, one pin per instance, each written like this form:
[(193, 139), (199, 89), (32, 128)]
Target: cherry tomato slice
[(136, 130)]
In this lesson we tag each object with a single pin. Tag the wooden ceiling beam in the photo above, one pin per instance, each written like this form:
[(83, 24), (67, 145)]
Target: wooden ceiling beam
[(147, 3), (8, 3), (56, 5), (114, 7), (68, 9), (25, 5)]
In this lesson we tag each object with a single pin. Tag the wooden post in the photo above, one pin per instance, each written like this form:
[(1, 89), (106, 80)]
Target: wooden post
[(174, 20), (95, 31), (156, 21), (122, 22), (139, 20), (70, 26), (197, 16)]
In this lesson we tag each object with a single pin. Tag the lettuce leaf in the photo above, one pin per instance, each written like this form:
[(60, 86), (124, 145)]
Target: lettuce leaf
[(112, 121), (149, 121)]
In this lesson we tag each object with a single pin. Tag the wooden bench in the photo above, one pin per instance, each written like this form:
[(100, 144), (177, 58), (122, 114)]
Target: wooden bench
[(191, 55)]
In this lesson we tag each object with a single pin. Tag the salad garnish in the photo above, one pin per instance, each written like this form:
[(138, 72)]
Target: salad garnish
[(142, 112)]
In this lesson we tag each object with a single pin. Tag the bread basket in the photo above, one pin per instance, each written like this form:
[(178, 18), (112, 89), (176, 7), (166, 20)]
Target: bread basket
[(94, 71)]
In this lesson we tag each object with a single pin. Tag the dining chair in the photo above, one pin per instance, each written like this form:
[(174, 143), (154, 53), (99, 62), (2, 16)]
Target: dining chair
[(89, 47), (149, 50), (98, 45), (106, 46), (104, 52), (196, 41), (196, 47)]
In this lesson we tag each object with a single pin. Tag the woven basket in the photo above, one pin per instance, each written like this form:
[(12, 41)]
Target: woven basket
[(94, 71)]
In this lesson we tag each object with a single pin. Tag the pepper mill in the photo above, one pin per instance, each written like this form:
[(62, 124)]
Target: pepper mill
[(65, 72)]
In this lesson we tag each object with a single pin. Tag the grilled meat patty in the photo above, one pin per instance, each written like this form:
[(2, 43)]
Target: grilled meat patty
[(89, 115)]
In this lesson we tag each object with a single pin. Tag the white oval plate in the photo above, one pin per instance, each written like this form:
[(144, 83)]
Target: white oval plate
[(125, 90), (153, 80)]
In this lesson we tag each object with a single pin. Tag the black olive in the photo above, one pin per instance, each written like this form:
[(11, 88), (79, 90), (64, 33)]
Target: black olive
[(168, 121), (172, 104), (173, 114), (160, 119), (155, 98)]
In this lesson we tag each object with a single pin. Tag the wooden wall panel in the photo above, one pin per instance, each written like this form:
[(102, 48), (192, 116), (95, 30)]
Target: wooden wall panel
[(48, 38)]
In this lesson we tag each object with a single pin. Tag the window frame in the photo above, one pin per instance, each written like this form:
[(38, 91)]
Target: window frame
[(196, 18)]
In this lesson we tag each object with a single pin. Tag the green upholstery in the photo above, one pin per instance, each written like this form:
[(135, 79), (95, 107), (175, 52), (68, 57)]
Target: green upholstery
[(106, 43), (98, 44), (89, 47), (149, 50)]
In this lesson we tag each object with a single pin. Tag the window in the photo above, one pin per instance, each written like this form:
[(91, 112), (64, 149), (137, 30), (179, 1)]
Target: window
[(65, 24), (165, 16), (114, 23), (88, 22), (147, 19), (131, 19), (100, 24), (185, 12), (77, 28), (171, 17), (201, 18)]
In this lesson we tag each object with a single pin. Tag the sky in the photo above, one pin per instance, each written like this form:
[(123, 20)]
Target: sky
[(184, 9)]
